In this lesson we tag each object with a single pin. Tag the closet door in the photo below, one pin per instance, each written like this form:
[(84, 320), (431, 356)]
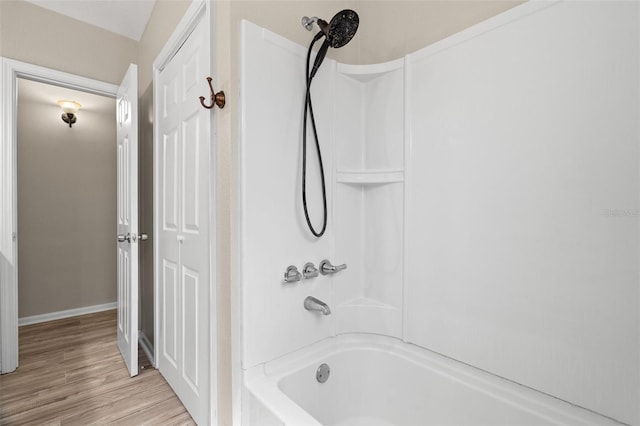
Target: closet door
[(184, 198)]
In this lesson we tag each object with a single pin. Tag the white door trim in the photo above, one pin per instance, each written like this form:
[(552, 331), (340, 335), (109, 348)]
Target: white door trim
[(10, 71), (198, 11)]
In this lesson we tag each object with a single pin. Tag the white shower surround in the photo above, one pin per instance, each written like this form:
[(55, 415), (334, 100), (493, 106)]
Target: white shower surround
[(527, 312)]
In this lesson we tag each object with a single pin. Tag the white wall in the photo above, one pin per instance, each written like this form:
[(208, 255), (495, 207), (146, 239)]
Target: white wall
[(524, 140), (500, 205), (273, 229)]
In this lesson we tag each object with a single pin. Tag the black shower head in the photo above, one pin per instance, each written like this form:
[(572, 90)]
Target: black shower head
[(337, 33), (341, 29)]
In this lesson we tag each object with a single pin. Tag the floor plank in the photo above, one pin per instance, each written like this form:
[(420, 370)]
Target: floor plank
[(71, 373)]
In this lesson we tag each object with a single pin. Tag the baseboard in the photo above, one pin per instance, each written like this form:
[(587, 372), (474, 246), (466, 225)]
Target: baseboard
[(146, 346), (35, 319)]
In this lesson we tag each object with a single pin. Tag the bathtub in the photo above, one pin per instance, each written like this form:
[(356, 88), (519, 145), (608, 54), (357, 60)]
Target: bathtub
[(377, 380)]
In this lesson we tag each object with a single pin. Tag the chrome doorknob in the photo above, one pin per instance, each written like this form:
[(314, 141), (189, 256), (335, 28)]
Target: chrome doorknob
[(122, 238), (143, 237)]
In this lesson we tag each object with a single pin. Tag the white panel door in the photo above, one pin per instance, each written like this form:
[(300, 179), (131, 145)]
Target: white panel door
[(127, 136), (183, 251)]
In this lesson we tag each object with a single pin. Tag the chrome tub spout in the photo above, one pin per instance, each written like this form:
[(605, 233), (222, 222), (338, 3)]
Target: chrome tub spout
[(313, 304)]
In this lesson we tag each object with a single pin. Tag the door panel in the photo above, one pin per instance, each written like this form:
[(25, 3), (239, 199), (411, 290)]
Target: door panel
[(184, 174), (170, 312), (190, 284), (170, 181), (121, 281), (127, 195), (191, 171)]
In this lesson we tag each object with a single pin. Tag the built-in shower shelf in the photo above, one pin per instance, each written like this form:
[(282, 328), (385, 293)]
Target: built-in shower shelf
[(370, 177), (365, 73)]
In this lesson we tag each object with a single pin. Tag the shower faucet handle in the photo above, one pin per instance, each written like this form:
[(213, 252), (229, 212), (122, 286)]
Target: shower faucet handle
[(327, 268), (309, 270), (292, 274)]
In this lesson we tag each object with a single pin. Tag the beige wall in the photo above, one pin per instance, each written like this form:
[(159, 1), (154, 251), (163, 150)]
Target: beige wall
[(66, 204), (224, 212), (38, 36), (393, 28)]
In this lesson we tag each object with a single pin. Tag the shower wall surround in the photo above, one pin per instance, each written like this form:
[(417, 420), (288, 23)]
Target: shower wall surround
[(475, 190), (369, 203), (523, 140), (273, 231)]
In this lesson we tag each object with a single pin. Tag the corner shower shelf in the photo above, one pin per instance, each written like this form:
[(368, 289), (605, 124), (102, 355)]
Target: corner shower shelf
[(365, 73), (370, 177)]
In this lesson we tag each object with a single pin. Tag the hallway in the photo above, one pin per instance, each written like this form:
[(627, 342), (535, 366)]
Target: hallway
[(71, 373)]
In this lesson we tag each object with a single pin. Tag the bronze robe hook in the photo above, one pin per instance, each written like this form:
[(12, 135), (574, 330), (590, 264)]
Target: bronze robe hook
[(216, 98)]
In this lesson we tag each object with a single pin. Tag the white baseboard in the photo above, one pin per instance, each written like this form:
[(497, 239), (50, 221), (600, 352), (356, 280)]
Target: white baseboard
[(35, 319), (146, 346)]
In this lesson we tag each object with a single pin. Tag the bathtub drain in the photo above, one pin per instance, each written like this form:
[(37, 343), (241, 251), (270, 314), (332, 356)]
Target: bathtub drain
[(322, 373)]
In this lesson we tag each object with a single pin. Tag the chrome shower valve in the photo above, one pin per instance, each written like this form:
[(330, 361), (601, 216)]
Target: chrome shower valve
[(292, 274), (309, 270), (327, 268)]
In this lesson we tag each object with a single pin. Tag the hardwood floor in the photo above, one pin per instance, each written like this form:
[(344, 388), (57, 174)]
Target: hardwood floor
[(71, 373)]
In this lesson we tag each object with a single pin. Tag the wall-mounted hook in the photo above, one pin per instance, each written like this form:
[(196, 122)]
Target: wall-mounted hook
[(216, 98)]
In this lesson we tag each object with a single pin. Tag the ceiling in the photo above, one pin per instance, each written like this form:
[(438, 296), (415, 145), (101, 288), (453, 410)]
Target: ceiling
[(125, 17)]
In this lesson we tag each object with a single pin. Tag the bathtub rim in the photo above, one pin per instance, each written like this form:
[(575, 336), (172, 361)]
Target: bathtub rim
[(263, 381)]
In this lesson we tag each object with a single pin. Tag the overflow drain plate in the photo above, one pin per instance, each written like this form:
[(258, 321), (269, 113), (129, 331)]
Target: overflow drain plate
[(322, 373)]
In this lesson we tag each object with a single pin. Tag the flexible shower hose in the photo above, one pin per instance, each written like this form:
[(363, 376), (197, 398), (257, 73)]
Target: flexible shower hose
[(308, 110)]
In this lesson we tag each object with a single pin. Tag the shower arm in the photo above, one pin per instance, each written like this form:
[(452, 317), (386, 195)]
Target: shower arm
[(307, 22)]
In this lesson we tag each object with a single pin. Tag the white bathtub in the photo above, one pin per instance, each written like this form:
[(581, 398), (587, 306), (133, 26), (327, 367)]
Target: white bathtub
[(377, 380)]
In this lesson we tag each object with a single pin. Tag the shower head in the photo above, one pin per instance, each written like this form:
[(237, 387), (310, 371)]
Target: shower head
[(339, 31)]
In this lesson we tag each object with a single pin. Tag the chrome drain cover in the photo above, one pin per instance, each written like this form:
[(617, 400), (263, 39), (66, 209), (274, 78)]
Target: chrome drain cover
[(322, 373)]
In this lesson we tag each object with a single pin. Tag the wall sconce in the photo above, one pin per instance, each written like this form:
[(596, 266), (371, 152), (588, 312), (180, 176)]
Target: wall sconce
[(69, 111)]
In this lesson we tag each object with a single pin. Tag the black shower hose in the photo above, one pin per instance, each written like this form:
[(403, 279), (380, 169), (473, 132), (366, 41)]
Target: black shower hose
[(308, 110)]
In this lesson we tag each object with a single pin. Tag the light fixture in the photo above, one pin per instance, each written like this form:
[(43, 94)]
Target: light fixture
[(69, 111)]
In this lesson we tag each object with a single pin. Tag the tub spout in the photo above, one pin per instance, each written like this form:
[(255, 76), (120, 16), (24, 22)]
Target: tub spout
[(313, 304)]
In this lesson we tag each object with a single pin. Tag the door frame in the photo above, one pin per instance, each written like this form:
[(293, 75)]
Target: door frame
[(198, 11), (10, 71)]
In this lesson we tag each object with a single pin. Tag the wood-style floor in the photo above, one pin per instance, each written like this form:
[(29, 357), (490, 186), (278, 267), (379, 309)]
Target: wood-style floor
[(71, 373)]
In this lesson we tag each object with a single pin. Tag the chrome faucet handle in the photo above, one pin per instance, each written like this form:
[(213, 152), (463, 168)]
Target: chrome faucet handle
[(292, 274), (327, 268), (309, 270)]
